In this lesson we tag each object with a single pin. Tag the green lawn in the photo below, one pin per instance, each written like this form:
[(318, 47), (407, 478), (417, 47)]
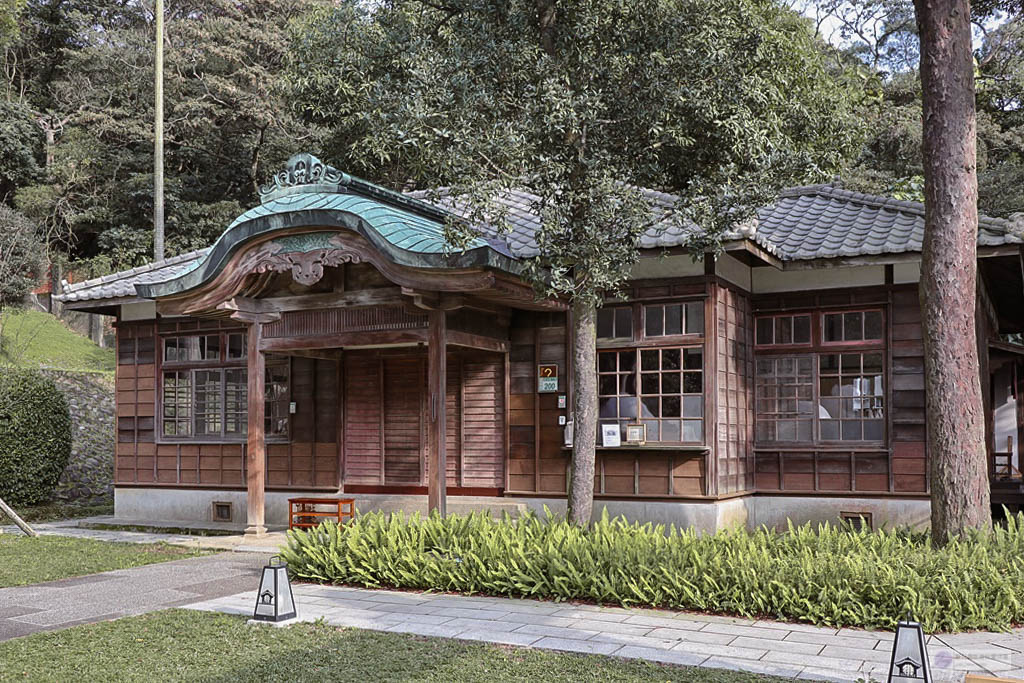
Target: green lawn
[(181, 645), (25, 560), (35, 339)]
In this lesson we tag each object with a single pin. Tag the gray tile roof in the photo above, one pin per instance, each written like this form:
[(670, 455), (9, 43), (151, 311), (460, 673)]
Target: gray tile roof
[(810, 222), (826, 221), (523, 221), (122, 284)]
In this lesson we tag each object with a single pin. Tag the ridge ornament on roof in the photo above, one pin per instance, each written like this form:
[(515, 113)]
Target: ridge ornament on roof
[(304, 169)]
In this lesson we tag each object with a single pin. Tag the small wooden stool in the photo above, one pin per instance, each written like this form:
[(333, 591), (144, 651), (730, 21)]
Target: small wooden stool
[(305, 513)]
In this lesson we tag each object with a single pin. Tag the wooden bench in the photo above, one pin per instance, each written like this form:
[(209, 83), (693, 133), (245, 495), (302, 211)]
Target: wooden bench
[(305, 513)]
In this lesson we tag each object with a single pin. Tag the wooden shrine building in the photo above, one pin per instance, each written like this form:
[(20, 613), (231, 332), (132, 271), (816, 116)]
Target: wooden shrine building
[(329, 343)]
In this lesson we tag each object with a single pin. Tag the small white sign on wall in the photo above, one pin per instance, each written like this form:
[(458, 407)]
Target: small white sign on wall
[(610, 436)]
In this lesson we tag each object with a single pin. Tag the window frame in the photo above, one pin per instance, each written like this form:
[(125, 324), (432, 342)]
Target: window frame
[(817, 349), (792, 345), (854, 342), (639, 341), (222, 366), (639, 338), (637, 373)]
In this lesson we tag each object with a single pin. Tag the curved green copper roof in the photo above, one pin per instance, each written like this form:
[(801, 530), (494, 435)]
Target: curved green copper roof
[(408, 232)]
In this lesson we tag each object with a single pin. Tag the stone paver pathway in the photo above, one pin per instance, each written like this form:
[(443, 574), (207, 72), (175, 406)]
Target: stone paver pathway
[(786, 650), (239, 543), (99, 597)]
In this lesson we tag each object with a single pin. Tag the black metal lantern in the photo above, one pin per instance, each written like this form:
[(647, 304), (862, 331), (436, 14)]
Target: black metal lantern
[(274, 601), (909, 656)]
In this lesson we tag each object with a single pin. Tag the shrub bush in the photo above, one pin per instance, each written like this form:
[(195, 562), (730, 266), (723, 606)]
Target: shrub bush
[(35, 436), (822, 575)]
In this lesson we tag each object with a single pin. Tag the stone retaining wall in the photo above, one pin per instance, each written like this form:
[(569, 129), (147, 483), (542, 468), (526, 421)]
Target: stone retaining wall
[(89, 477)]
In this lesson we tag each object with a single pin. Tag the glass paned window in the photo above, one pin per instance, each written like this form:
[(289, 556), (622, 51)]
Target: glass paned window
[(177, 403), (209, 401), (209, 412), (193, 348), (851, 397), (662, 388), (199, 402), (783, 329), (236, 408), (785, 398), (671, 319), (854, 326), (276, 390), (615, 323), (236, 347)]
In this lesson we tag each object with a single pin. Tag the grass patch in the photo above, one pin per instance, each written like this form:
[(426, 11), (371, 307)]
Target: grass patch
[(48, 558), (56, 511), (34, 339), (181, 645), (823, 575)]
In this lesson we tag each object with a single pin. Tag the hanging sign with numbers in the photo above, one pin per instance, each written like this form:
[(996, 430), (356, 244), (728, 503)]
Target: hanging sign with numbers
[(547, 378)]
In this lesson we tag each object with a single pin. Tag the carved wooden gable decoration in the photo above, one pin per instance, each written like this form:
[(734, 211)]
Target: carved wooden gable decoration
[(305, 256)]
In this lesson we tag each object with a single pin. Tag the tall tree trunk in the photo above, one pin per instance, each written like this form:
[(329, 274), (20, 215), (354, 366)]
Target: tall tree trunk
[(955, 413), (584, 409)]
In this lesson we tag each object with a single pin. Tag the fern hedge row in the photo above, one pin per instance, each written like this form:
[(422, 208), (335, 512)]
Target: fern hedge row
[(819, 575)]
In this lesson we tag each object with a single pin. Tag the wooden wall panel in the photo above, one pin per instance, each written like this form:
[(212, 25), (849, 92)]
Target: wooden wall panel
[(524, 471), (404, 426), (906, 360), (551, 346), (734, 365), (483, 421), (136, 407), (363, 417), (453, 421)]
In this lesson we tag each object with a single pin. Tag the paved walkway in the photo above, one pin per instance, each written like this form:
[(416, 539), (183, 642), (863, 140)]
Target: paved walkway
[(238, 542), (99, 597), (786, 650)]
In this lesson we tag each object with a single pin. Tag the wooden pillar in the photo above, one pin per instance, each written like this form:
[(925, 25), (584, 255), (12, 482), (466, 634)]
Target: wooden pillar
[(437, 375), (255, 451)]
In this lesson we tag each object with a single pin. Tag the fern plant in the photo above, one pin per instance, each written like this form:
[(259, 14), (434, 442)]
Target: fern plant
[(815, 574)]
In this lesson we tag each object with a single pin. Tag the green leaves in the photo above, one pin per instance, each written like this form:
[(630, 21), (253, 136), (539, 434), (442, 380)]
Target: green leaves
[(819, 575), (719, 101), (35, 436)]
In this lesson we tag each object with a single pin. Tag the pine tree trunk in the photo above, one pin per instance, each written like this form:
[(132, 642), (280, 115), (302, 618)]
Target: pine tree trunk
[(584, 409), (955, 413)]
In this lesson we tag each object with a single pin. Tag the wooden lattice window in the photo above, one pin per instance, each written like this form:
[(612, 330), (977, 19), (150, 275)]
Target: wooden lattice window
[(663, 388), (615, 323), (204, 389), (785, 398), (236, 408), (852, 327), (278, 404), (828, 397), (662, 320), (783, 330), (208, 402), (851, 397), (177, 403)]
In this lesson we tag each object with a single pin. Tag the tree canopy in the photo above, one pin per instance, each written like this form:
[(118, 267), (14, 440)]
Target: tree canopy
[(21, 257), (698, 97), (880, 38), (76, 134), (76, 152)]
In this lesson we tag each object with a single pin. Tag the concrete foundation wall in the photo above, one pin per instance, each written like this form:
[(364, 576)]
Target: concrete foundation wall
[(184, 505), (775, 511)]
